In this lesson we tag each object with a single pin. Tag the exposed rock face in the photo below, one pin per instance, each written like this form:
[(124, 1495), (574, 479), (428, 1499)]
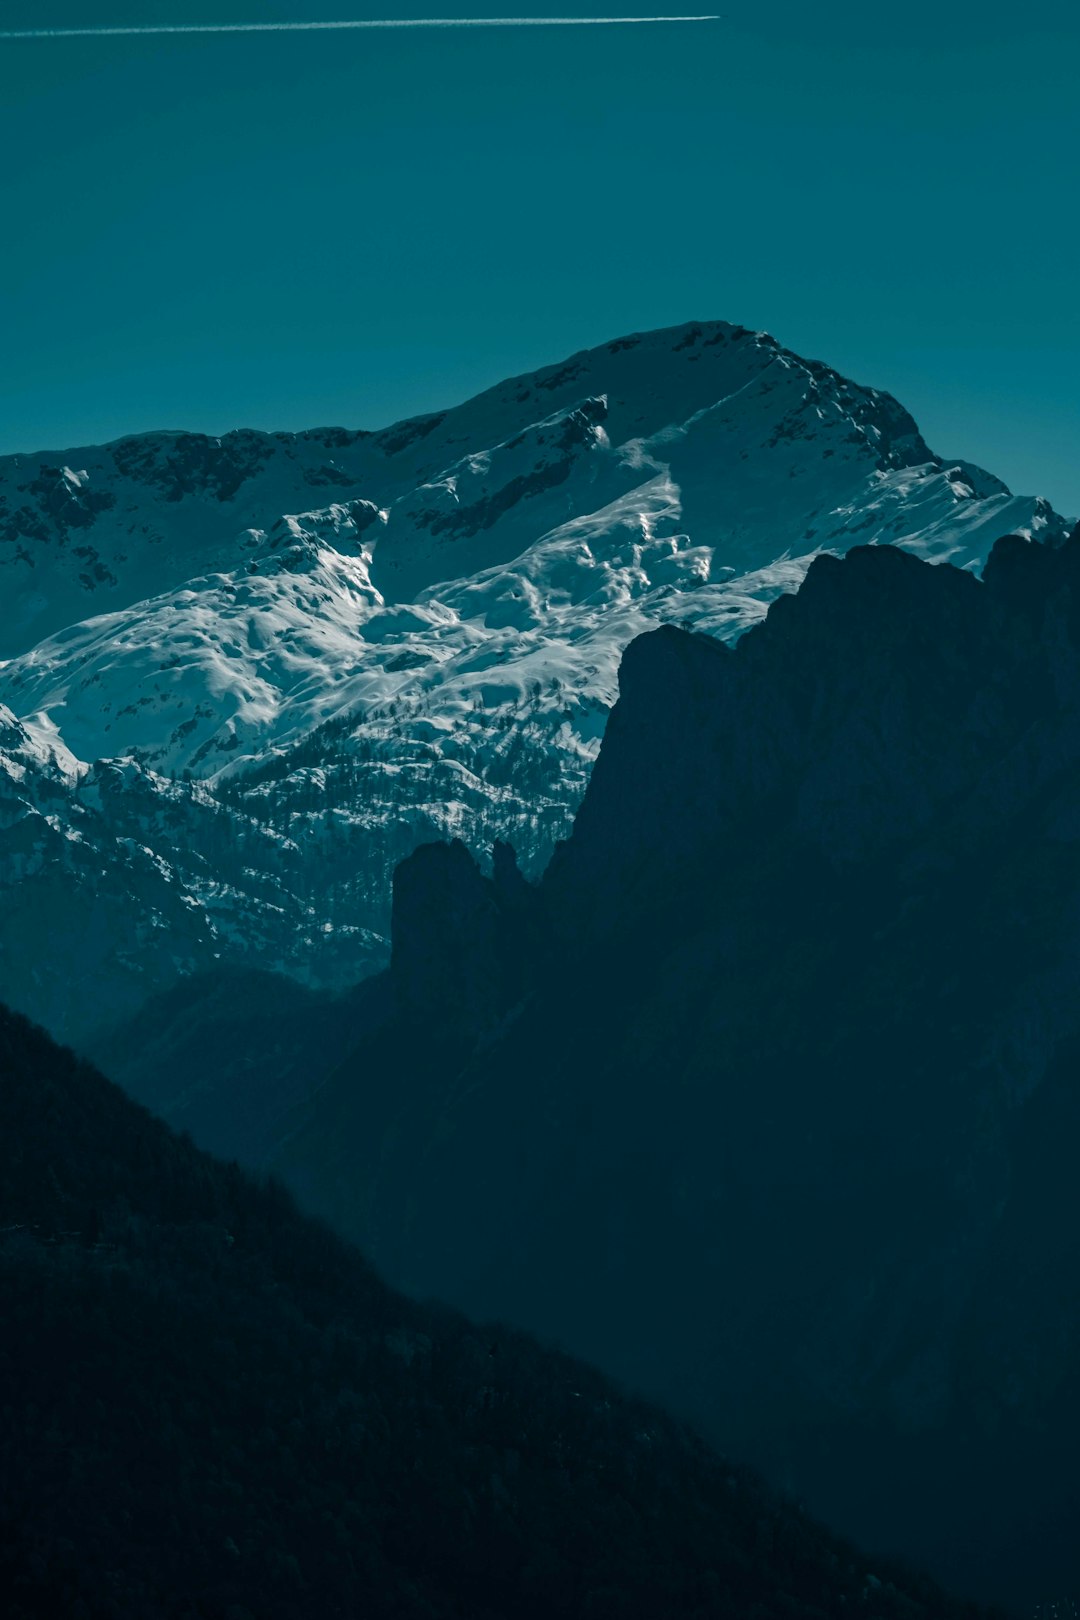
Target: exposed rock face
[(303, 654), (769, 1124)]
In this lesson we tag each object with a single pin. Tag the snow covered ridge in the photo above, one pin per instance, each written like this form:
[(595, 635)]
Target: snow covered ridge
[(428, 643)]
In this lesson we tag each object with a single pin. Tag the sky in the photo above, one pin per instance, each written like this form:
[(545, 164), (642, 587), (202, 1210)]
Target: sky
[(286, 230)]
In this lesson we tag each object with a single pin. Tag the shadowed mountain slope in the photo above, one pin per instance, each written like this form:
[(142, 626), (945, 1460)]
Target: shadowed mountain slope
[(749, 1100), (212, 1408)]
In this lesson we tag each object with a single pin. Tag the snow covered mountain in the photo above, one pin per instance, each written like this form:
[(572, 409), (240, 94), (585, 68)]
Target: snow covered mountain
[(244, 676)]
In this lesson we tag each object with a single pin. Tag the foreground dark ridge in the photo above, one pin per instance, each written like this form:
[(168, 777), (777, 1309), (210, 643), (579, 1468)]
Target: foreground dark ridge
[(766, 1099), (213, 1408)]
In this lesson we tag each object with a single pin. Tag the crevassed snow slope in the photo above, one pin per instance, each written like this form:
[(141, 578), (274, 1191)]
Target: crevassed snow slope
[(433, 645)]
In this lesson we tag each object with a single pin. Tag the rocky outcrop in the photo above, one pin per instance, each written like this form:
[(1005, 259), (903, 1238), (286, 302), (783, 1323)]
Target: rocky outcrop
[(762, 1130), (449, 939)]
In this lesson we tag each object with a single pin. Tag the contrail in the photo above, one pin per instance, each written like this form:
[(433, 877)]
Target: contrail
[(319, 27)]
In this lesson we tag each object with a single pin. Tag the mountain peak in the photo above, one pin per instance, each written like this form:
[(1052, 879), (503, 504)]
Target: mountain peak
[(415, 633)]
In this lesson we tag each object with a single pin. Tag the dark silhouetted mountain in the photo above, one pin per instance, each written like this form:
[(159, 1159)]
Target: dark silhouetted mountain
[(764, 1098), (212, 1409)]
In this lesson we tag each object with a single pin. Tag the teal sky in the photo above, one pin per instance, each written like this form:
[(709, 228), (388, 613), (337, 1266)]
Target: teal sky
[(285, 230)]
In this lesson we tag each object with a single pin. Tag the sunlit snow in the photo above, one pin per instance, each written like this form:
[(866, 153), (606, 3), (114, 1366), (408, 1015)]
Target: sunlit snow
[(419, 631)]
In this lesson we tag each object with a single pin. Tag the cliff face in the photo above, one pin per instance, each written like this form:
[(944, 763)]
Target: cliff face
[(758, 1116)]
